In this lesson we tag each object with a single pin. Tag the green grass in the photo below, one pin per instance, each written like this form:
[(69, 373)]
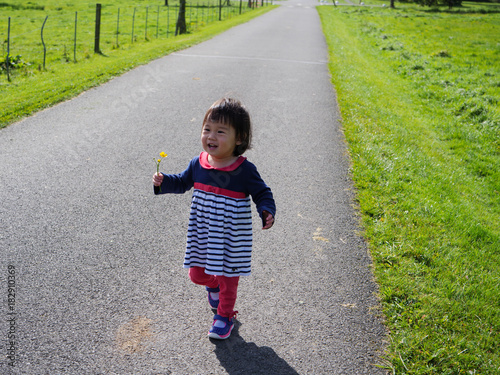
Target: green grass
[(33, 88), (419, 93)]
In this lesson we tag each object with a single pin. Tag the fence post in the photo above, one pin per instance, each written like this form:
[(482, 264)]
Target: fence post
[(220, 10), (168, 18), (146, 29), (97, 28), (117, 28), (44, 48), (240, 5), (133, 21), (74, 45), (7, 59)]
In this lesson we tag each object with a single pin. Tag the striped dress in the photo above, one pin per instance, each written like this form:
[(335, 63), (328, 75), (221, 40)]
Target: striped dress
[(219, 236)]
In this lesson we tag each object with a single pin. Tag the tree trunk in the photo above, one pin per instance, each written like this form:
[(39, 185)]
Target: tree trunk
[(180, 28), (166, 3), (392, 4)]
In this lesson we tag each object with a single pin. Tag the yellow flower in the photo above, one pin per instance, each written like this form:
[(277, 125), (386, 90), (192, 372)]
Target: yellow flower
[(163, 155), (158, 161)]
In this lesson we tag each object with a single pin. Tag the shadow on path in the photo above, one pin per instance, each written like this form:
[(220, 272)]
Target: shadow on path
[(239, 357)]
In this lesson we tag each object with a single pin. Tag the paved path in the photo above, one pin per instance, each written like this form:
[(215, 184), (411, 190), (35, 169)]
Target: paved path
[(97, 259)]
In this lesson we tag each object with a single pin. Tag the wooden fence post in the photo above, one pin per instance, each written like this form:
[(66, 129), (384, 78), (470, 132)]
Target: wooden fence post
[(97, 28), (133, 22), (43, 42), (7, 59), (146, 28), (74, 44), (117, 28)]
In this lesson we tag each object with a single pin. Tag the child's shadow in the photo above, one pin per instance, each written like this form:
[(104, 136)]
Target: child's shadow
[(239, 357)]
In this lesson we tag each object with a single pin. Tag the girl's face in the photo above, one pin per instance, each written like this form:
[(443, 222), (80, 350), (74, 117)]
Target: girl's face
[(219, 140)]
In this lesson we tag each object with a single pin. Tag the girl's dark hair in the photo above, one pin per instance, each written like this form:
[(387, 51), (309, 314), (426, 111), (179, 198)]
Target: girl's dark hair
[(232, 112)]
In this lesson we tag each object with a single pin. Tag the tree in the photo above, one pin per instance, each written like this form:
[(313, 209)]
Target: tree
[(180, 27), (453, 3), (431, 3)]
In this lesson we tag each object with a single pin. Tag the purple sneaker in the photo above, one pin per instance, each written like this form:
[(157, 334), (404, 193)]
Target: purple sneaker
[(221, 328), (214, 303)]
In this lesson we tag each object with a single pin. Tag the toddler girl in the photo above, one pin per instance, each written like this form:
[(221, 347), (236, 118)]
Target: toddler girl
[(219, 239)]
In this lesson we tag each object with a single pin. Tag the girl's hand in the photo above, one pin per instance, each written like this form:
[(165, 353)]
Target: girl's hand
[(157, 179), (267, 220)]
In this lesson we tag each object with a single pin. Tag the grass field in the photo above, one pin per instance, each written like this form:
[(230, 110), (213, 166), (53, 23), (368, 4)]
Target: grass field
[(132, 33), (122, 24), (419, 93)]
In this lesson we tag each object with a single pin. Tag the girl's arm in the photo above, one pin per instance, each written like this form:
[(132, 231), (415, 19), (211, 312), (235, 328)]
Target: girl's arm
[(173, 183), (262, 197)]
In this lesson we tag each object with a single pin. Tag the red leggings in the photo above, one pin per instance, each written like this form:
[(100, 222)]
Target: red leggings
[(228, 289)]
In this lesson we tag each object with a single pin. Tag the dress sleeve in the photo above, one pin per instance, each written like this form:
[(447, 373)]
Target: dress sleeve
[(176, 183), (261, 193)]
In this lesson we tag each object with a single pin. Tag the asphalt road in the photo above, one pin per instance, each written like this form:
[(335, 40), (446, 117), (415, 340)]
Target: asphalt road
[(94, 260)]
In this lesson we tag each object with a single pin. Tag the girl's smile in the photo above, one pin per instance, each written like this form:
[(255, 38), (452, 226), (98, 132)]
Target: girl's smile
[(212, 146)]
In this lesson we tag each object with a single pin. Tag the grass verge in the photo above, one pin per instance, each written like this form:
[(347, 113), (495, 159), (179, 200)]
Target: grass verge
[(418, 90), (28, 93)]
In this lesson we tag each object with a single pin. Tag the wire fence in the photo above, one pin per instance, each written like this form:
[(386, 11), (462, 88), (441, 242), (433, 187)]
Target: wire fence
[(39, 41)]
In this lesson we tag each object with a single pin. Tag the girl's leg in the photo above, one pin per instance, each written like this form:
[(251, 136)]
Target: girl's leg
[(198, 276), (227, 295)]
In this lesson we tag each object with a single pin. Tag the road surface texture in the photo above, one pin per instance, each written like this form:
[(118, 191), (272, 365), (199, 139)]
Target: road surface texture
[(93, 259)]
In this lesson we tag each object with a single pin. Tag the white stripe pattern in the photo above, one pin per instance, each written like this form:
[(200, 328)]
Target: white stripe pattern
[(219, 234)]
